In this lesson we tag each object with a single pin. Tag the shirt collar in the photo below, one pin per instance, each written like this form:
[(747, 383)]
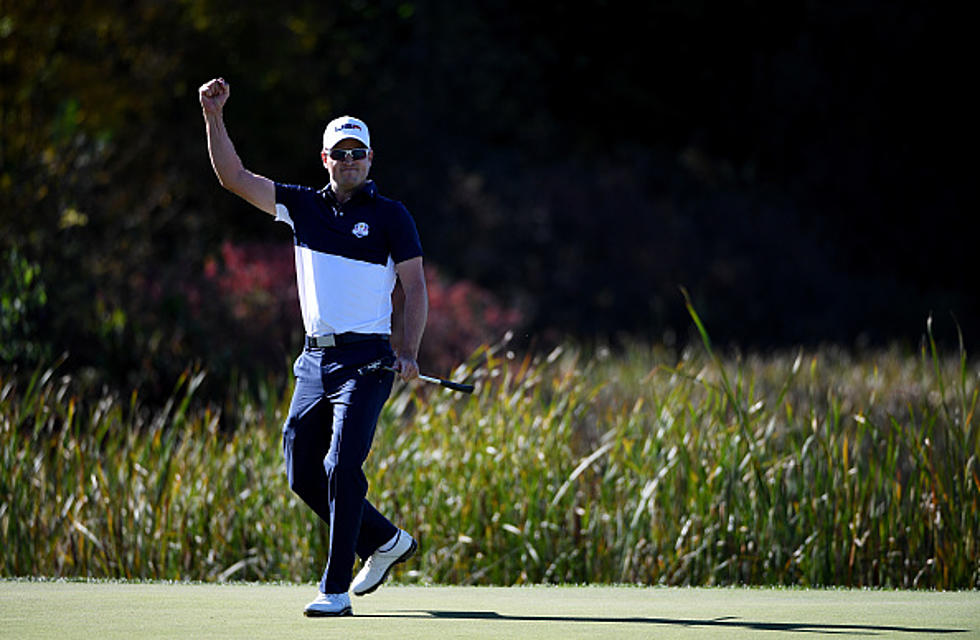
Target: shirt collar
[(368, 190)]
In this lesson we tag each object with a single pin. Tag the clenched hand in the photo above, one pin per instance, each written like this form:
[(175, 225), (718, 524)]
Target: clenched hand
[(213, 95)]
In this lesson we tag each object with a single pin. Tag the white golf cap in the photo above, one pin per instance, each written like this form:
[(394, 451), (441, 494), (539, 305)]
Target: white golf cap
[(346, 127)]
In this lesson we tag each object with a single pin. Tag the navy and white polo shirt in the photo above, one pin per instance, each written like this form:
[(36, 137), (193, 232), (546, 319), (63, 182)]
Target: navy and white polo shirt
[(346, 255)]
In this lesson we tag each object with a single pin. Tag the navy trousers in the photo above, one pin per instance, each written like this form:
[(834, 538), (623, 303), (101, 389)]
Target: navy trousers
[(326, 439)]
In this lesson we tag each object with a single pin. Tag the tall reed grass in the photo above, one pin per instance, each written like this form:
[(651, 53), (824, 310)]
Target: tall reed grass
[(649, 466)]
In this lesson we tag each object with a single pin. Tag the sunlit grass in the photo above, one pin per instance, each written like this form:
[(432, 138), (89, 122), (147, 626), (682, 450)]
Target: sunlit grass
[(652, 466)]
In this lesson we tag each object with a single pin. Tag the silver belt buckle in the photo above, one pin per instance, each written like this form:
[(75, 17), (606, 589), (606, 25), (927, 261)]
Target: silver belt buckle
[(325, 341)]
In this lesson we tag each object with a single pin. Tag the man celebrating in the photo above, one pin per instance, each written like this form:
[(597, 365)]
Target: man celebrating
[(350, 245)]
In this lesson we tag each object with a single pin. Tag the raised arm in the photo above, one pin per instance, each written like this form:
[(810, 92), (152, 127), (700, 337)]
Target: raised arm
[(412, 278), (232, 175)]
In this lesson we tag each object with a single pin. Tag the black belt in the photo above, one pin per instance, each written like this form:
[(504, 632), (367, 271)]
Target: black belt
[(340, 339)]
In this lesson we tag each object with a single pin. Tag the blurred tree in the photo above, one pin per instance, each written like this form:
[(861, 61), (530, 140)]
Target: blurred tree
[(22, 303)]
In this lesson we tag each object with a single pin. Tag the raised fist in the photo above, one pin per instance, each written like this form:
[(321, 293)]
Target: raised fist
[(213, 95)]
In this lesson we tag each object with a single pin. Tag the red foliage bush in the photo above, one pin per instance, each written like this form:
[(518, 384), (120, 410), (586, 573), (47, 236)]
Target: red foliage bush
[(462, 316), (257, 282)]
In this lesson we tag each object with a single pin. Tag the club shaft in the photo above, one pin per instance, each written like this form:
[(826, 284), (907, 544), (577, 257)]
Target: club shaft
[(449, 384)]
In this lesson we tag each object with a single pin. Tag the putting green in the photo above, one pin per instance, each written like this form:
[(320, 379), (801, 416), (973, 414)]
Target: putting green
[(105, 610)]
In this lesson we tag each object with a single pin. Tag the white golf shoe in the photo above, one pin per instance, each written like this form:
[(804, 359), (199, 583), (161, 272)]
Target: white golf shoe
[(376, 568), (329, 604)]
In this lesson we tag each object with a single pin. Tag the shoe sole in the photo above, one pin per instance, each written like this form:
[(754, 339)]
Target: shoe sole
[(402, 558), (313, 613)]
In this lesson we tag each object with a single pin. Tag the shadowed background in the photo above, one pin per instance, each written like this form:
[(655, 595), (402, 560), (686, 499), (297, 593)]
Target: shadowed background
[(796, 166)]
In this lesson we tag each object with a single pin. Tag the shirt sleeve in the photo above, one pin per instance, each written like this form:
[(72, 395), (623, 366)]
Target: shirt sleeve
[(289, 203), (404, 236)]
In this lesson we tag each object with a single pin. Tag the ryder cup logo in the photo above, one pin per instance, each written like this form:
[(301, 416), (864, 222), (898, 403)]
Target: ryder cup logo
[(361, 229)]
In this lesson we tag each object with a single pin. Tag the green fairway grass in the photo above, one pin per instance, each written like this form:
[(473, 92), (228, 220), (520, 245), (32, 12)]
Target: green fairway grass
[(105, 610)]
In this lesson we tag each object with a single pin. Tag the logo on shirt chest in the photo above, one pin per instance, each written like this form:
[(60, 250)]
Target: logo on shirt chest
[(361, 229)]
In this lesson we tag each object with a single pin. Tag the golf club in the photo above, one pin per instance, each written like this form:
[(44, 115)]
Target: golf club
[(379, 365)]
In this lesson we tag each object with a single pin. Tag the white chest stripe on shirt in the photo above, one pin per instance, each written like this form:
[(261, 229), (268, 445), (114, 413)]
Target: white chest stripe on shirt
[(337, 294)]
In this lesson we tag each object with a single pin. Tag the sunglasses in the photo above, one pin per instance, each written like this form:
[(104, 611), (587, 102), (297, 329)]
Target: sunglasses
[(348, 154)]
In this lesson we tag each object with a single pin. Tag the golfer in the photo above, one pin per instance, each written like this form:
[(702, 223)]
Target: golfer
[(350, 244)]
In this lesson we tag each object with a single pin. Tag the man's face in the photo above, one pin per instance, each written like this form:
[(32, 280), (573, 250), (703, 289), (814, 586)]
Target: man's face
[(348, 174)]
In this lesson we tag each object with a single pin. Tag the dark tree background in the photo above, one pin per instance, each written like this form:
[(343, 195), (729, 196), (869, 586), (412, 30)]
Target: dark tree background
[(801, 168)]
